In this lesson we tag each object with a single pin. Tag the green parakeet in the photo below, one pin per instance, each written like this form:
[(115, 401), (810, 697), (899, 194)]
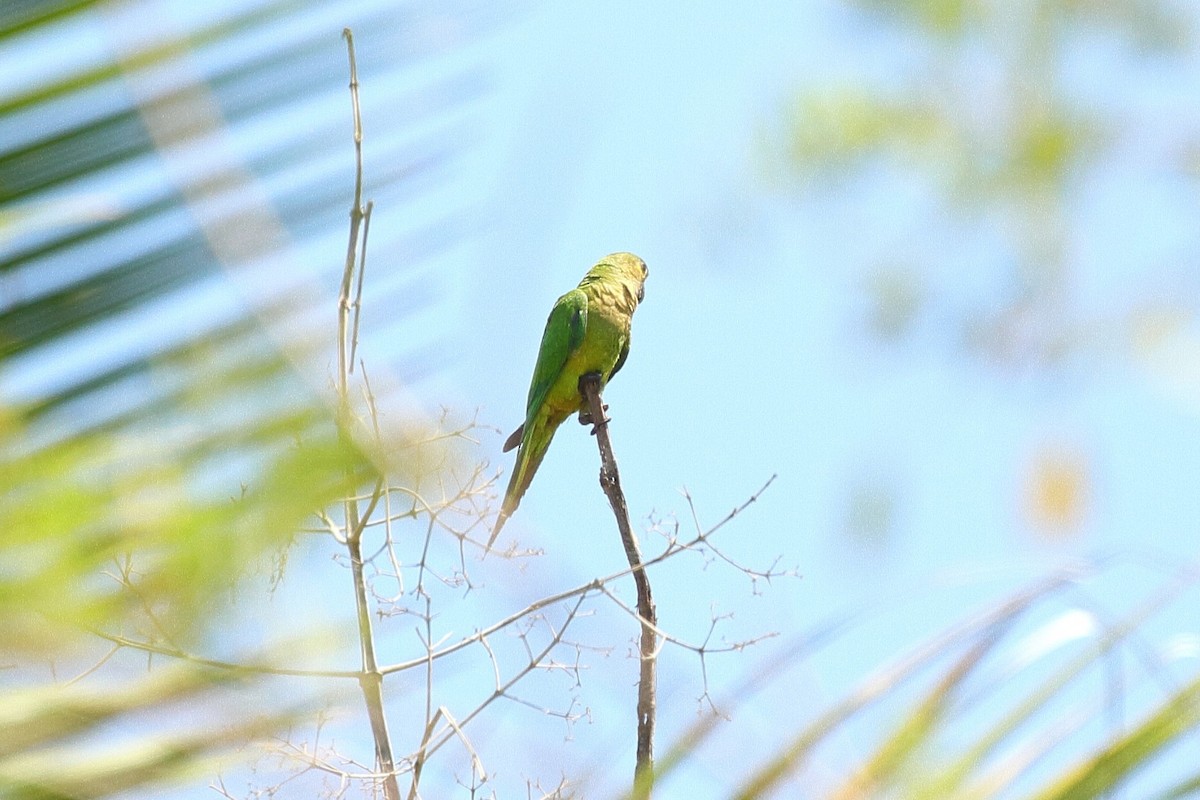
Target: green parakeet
[(588, 331)]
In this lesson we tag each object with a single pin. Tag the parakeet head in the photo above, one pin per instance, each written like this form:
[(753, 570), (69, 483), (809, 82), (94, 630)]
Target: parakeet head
[(626, 268)]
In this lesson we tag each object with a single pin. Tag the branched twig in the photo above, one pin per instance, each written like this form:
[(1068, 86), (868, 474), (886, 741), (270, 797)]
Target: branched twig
[(502, 690), (702, 650), (370, 679), (430, 719), (701, 533), (477, 770), (246, 668), (674, 548), (610, 482), (103, 660)]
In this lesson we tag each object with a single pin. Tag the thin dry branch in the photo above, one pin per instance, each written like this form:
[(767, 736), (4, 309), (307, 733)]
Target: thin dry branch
[(449, 732), (702, 650), (370, 679), (248, 668), (610, 482), (674, 549)]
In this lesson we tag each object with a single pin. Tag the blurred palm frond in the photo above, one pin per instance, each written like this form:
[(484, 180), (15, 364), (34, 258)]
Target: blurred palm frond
[(164, 335), (1001, 704)]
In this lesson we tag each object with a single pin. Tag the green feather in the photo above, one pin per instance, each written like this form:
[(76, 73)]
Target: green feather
[(588, 331)]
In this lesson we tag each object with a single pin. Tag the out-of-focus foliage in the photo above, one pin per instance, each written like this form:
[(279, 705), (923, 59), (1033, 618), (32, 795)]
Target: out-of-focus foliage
[(165, 422), (115, 524), (1056, 492), (978, 156), (1016, 701), (994, 130), (45, 754), (978, 165)]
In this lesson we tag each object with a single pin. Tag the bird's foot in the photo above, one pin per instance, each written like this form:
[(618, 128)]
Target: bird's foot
[(589, 382), (596, 426), (585, 416)]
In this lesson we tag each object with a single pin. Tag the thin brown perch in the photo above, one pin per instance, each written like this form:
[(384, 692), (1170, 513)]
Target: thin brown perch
[(610, 482)]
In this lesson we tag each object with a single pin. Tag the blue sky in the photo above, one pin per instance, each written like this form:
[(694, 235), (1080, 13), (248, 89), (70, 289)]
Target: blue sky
[(642, 130), (629, 128)]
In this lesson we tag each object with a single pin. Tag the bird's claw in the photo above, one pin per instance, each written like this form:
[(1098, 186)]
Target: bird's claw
[(585, 413), (597, 426), (585, 416)]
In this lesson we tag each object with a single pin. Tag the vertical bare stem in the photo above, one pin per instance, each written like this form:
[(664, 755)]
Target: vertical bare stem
[(610, 482), (370, 679), (356, 219)]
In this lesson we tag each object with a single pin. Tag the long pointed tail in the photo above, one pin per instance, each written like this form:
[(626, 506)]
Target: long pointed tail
[(533, 449)]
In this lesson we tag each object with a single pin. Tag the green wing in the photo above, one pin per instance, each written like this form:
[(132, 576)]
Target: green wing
[(620, 359), (564, 333)]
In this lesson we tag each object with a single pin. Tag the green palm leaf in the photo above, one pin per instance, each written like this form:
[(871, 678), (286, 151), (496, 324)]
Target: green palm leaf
[(163, 420)]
